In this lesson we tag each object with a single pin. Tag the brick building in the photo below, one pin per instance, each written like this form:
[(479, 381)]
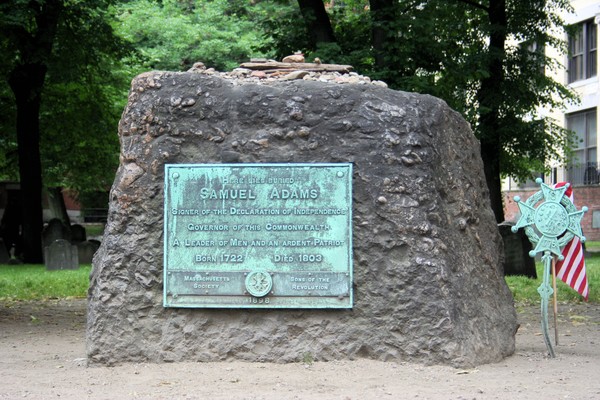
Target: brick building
[(580, 73), (588, 196)]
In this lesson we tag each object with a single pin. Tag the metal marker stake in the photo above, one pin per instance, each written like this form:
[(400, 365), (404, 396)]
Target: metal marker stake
[(549, 226), (555, 301), (545, 291)]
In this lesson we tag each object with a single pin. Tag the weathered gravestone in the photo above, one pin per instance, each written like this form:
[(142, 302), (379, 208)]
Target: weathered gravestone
[(78, 234), (86, 251), (4, 255), (55, 230), (61, 254), (428, 284), (516, 252)]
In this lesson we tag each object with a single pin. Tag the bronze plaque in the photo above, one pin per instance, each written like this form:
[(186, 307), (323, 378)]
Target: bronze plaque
[(258, 235)]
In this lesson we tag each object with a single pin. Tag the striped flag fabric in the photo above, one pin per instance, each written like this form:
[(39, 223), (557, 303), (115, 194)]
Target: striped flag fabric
[(571, 270)]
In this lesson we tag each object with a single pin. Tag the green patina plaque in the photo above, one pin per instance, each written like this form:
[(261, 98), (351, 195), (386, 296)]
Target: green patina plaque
[(258, 235)]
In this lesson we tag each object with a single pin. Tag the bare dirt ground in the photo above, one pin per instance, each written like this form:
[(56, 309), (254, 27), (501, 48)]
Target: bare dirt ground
[(42, 356)]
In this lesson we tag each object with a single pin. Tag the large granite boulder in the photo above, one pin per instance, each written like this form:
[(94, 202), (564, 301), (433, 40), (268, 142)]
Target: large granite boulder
[(428, 282)]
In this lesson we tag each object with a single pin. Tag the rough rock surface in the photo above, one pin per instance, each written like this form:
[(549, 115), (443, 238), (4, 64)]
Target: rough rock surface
[(428, 284)]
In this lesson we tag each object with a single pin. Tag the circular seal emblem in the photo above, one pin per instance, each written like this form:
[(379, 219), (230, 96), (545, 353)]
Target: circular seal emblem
[(551, 219), (259, 283)]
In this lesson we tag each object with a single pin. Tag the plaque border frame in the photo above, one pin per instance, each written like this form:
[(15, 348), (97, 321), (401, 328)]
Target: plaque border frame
[(261, 304)]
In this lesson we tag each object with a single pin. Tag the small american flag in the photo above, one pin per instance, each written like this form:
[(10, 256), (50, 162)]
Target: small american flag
[(571, 270)]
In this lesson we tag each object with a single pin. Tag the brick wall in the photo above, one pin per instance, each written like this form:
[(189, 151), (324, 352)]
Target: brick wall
[(584, 196)]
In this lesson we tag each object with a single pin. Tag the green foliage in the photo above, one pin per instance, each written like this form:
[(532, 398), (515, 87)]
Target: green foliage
[(351, 26), (453, 62), (172, 35), (283, 32), (525, 289), (443, 48), (34, 282), (436, 47), (80, 145), (83, 95)]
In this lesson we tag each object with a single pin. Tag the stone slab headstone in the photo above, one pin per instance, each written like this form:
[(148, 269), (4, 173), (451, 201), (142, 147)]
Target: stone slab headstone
[(427, 275), (61, 254), (55, 230), (4, 256), (78, 233), (86, 251), (516, 252)]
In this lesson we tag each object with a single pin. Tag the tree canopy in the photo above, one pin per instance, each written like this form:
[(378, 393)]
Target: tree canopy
[(172, 35), (485, 58), (61, 115), (67, 66)]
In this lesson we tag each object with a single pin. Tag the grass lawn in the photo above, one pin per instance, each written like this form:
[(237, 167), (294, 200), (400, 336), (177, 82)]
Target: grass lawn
[(33, 282), (525, 289), (94, 229)]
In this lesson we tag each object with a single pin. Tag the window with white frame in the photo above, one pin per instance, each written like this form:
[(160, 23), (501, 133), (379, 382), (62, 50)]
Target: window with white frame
[(584, 168), (536, 52), (583, 52)]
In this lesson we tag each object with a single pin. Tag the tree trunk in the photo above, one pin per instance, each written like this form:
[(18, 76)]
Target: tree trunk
[(56, 203), (491, 167), (382, 16), (489, 97), (317, 21), (26, 82)]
